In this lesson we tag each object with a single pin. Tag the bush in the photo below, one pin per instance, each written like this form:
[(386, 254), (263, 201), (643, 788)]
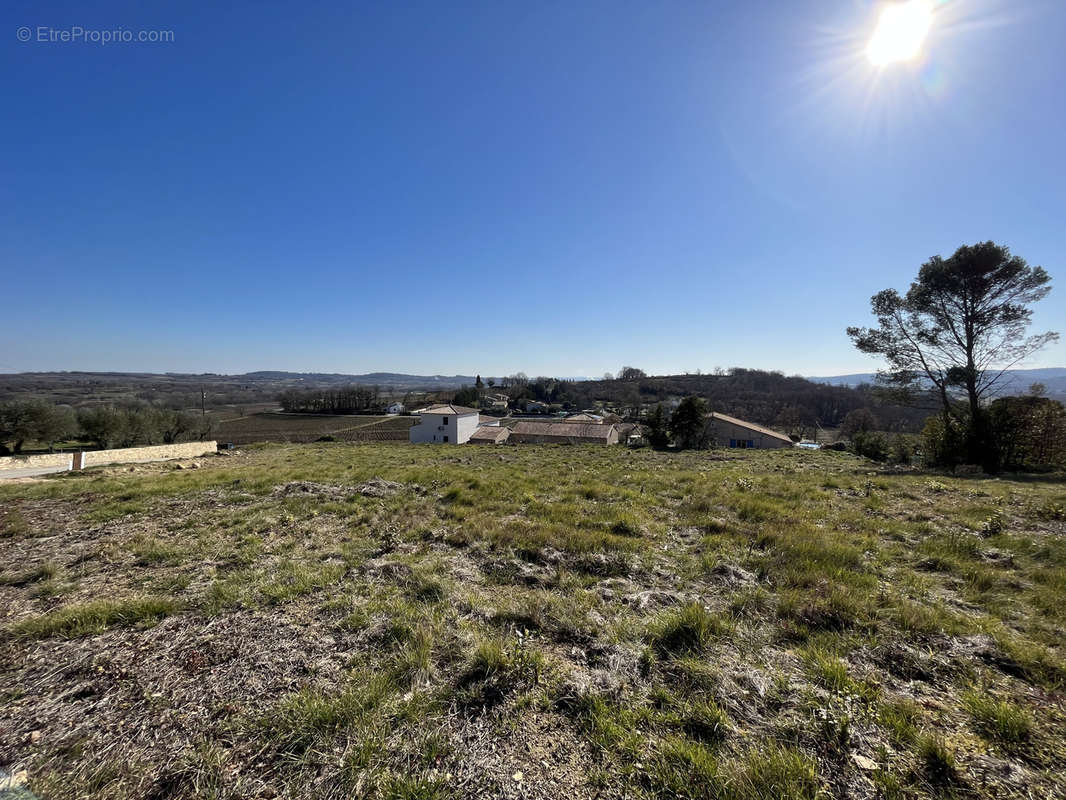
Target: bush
[(943, 444), (870, 445)]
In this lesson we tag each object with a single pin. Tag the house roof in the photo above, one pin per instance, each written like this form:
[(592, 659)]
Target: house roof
[(584, 416), (488, 433), (751, 426), (459, 411), (486, 420), (575, 430)]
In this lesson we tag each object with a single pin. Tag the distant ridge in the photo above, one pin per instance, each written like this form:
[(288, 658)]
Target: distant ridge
[(1016, 381)]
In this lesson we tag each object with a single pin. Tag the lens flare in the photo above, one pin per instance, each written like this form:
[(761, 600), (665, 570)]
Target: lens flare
[(900, 31)]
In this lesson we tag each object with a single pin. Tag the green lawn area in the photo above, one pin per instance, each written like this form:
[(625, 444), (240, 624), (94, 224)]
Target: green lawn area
[(338, 620)]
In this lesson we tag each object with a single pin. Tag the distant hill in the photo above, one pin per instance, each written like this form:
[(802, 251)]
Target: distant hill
[(374, 378), (1016, 381)]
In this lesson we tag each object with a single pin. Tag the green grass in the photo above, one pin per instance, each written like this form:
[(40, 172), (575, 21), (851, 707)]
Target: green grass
[(937, 762), (690, 629), (647, 624), (999, 720), (83, 619)]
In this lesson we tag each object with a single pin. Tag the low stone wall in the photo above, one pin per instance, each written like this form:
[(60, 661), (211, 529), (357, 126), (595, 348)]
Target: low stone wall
[(40, 461), (162, 452)]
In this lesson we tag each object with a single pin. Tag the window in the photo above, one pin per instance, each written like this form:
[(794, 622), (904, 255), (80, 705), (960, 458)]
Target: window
[(751, 443), (445, 438), (445, 420), (732, 442)]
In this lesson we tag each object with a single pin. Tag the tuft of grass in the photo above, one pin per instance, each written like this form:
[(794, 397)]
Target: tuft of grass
[(683, 768), (999, 720), (705, 721), (425, 587), (83, 619), (13, 524), (291, 580), (1029, 660), (937, 761), (828, 671), (150, 551), (415, 663), (834, 608), (626, 526), (303, 718), (901, 717), (690, 629), (773, 772), (45, 571)]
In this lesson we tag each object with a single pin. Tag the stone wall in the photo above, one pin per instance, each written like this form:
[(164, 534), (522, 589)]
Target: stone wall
[(40, 461), (163, 452)]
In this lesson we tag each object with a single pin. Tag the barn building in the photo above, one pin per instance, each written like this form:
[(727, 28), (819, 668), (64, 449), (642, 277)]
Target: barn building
[(726, 431), (563, 433), (490, 434)]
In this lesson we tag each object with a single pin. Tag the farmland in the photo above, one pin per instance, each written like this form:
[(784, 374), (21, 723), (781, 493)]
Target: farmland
[(370, 620), (277, 427)]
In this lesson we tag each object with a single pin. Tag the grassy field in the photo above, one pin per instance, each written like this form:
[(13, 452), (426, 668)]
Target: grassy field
[(278, 427), (380, 620)]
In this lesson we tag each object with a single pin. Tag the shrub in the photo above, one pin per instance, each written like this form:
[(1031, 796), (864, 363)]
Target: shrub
[(870, 445)]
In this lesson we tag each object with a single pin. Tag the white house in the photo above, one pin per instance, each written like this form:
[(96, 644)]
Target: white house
[(447, 424), (394, 408)]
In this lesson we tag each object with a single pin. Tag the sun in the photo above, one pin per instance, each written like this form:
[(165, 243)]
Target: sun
[(900, 31)]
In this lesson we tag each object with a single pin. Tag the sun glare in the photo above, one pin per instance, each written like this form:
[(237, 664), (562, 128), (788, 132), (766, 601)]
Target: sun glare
[(900, 32)]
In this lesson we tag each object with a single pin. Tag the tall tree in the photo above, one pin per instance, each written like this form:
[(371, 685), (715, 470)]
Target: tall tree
[(658, 427), (958, 328), (688, 423)]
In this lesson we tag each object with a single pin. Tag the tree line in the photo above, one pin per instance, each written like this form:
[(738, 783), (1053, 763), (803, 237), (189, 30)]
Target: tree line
[(23, 422), (350, 399), (792, 404)]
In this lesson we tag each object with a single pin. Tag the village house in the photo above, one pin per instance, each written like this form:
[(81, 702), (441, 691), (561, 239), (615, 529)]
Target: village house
[(563, 433), (630, 433), (495, 402), (447, 424), (726, 431), (585, 416), (490, 434), (394, 408)]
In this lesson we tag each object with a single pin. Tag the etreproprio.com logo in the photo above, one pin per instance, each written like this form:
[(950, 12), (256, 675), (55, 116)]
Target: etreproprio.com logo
[(78, 34)]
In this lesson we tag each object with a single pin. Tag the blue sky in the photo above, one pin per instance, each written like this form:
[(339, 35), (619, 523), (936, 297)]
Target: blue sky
[(557, 187)]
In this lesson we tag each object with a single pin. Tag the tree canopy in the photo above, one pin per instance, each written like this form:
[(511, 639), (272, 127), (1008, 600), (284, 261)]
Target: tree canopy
[(958, 328)]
